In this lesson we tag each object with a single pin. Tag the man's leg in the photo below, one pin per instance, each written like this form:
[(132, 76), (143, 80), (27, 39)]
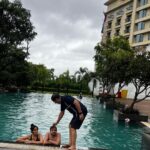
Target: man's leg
[(70, 139), (70, 136), (73, 139)]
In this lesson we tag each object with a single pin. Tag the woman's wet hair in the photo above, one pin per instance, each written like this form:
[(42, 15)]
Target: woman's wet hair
[(32, 127), (53, 127), (55, 96)]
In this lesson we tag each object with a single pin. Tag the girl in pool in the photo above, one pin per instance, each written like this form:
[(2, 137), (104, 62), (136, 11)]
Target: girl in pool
[(33, 138)]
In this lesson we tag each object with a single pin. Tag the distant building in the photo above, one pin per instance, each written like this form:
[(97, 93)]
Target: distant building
[(130, 18)]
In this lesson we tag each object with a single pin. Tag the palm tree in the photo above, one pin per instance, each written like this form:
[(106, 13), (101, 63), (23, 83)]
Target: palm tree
[(80, 74)]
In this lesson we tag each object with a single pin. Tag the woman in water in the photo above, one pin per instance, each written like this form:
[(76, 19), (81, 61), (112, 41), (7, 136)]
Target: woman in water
[(33, 138)]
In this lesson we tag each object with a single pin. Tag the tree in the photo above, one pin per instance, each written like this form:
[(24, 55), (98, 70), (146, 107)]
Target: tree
[(39, 74), (64, 80), (80, 74), (140, 72), (16, 29), (112, 60)]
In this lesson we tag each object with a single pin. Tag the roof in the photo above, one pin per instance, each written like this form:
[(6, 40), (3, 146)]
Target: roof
[(109, 2)]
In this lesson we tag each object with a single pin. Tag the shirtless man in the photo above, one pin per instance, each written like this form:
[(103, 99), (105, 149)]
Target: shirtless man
[(52, 137)]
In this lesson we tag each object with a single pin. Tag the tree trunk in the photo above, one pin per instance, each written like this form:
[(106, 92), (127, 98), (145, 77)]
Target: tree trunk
[(134, 101), (93, 91)]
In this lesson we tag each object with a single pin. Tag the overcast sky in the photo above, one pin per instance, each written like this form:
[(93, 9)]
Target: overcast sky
[(67, 31)]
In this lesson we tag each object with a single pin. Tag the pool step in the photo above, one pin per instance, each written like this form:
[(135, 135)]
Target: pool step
[(18, 146)]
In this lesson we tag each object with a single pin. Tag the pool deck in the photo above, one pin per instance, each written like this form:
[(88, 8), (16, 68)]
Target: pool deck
[(18, 146), (143, 106), (147, 124)]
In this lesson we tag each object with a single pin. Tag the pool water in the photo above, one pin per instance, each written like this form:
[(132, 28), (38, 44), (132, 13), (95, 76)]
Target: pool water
[(99, 130)]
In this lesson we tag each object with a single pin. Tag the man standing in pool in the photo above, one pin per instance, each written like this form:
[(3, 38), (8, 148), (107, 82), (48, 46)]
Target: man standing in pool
[(79, 112)]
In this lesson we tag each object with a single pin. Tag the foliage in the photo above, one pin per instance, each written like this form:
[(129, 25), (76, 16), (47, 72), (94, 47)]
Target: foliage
[(80, 77), (140, 72), (15, 30), (112, 61)]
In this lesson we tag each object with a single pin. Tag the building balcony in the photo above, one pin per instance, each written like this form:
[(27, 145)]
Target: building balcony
[(126, 34), (142, 19), (143, 7), (119, 4), (108, 29), (141, 43), (146, 30), (126, 31), (117, 24)]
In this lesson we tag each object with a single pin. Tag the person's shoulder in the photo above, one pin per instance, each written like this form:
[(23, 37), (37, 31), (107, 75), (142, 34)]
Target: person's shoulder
[(58, 134), (70, 97), (40, 134), (65, 97)]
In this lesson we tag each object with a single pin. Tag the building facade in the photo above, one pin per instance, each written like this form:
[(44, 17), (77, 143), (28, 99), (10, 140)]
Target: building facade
[(130, 18)]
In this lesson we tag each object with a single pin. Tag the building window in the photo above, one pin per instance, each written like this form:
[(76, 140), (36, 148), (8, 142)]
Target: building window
[(108, 34), (118, 22), (127, 37), (149, 36), (128, 18), (117, 32), (109, 25), (127, 29), (138, 38), (142, 2), (140, 26), (129, 7), (141, 13)]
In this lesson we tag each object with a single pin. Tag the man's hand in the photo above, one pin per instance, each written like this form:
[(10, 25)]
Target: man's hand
[(55, 124), (81, 117)]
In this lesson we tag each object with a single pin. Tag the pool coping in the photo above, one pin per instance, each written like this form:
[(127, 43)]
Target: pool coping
[(147, 124), (8, 145)]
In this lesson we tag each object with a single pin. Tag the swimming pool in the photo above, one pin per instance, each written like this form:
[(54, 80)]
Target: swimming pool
[(99, 130)]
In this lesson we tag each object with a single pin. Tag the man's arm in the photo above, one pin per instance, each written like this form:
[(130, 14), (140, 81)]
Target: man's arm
[(46, 138), (61, 114), (57, 141)]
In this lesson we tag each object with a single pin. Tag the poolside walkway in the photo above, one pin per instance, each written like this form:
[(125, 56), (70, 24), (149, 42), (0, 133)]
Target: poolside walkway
[(143, 106)]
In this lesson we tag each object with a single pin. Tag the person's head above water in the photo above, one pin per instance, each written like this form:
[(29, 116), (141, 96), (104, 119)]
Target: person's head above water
[(53, 130), (34, 129), (56, 98)]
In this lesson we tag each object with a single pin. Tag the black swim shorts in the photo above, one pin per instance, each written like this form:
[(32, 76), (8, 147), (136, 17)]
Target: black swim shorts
[(76, 122)]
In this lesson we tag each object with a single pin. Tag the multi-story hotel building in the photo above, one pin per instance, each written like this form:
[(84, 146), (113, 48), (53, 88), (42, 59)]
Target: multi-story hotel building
[(130, 18)]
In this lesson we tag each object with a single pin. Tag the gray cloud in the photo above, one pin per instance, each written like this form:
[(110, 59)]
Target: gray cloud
[(67, 31)]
